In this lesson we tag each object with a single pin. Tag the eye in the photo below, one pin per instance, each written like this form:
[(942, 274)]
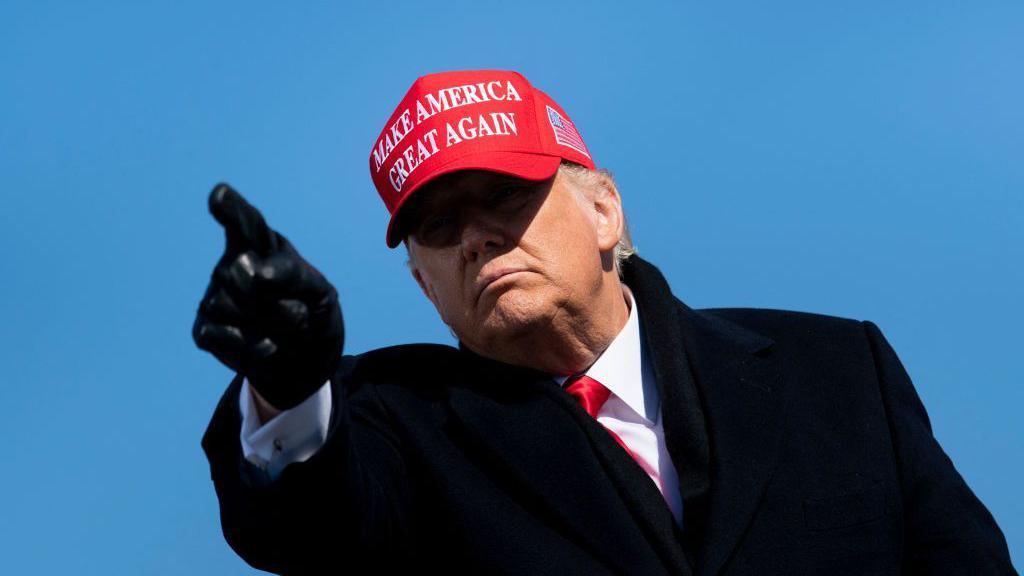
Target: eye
[(509, 196), (435, 223), (435, 229)]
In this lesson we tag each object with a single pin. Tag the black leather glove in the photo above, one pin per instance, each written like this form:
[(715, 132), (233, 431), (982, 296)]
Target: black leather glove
[(267, 314)]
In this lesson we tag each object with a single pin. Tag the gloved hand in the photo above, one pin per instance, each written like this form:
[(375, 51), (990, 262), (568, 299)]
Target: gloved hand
[(267, 313)]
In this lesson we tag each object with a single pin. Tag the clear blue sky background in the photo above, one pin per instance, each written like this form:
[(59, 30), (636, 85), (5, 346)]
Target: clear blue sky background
[(860, 159)]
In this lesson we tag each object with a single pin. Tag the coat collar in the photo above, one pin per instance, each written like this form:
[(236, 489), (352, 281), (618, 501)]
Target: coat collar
[(718, 385), (721, 402)]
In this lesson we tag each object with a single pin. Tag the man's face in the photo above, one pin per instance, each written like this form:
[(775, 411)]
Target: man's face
[(502, 258)]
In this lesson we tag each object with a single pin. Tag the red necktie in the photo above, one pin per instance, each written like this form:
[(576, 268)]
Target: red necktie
[(591, 395)]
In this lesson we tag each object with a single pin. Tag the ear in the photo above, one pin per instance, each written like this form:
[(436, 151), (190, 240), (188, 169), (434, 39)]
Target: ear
[(608, 209)]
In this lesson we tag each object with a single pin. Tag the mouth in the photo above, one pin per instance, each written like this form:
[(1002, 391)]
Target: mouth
[(486, 280)]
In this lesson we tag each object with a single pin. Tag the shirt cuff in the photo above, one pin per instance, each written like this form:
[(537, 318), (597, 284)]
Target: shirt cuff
[(292, 436)]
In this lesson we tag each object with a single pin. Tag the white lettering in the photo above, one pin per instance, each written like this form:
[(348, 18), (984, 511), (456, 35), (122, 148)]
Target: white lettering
[(397, 175), (411, 158), (437, 105), (511, 94), (508, 122), (454, 97), (483, 128), (453, 137), (467, 134), (429, 137), (398, 130), (469, 92), (421, 112), (492, 93)]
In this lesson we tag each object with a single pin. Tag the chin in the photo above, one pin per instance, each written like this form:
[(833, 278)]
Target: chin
[(513, 316)]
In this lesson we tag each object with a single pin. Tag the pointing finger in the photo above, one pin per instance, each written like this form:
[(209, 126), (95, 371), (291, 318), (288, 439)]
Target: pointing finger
[(243, 224)]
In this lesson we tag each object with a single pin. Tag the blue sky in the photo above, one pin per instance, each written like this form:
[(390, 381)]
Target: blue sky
[(858, 159)]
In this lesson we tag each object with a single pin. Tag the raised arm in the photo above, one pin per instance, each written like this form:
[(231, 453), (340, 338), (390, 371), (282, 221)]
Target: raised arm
[(276, 321)]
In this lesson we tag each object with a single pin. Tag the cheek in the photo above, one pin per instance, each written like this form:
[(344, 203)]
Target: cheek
[(570, 239), (448, 304), (445, 290)]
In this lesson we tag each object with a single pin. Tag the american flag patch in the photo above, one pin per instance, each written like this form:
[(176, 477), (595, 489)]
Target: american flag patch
[(565, 132)]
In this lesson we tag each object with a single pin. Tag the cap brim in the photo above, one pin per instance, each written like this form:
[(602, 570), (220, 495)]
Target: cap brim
[(525, 165)]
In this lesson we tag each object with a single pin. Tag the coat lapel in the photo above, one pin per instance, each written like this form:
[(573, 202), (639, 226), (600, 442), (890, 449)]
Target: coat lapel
[(719, 387), (682, 415), (642, 498), (530, 432), (737, 375)]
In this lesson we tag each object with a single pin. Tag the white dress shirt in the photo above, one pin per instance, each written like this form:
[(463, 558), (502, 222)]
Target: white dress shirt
[(292, 436), (632, 411)]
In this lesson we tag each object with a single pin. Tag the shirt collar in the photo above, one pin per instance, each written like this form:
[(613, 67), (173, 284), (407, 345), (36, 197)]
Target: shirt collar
[(625, 369)]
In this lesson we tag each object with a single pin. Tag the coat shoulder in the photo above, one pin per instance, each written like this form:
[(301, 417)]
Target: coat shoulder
[(406, 363), (776, 316), (801, 336), (786, 324), (393, 356)]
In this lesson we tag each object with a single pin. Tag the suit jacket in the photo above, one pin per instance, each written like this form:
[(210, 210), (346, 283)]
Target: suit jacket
[(799, 441)]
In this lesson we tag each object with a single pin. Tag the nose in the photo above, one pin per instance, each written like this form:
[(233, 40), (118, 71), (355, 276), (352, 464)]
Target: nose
[(481, 234)]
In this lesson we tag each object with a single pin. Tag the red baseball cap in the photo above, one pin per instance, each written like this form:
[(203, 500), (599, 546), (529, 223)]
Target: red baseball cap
[(470, 120)]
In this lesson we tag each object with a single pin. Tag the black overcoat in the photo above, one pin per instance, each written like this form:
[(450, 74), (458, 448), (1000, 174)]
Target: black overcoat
[(799, 441)]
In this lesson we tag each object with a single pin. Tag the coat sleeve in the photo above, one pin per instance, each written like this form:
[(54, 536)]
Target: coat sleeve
[(341, 511), (947, 530)]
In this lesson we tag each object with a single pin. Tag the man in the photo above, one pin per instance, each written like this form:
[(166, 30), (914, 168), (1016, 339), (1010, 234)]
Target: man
[(588, 423)]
